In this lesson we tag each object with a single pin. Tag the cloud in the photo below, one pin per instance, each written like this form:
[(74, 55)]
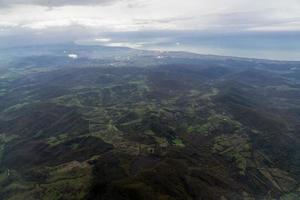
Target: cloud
[(141, 15), (98, 21), (55, 3), (102, 40), (73, 56)]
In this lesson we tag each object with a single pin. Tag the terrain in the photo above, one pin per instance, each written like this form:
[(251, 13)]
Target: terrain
[(119, 123)]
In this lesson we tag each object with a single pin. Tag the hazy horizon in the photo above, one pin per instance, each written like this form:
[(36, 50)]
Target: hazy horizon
[(264, 29)]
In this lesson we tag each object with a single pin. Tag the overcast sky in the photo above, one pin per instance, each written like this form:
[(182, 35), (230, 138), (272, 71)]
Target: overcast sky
[(137, 15), (97, 20)]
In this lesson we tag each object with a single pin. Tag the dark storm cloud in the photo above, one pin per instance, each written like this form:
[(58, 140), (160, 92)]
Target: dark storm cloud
[(56, 3)]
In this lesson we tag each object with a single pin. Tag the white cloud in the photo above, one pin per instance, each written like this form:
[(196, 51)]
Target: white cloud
[(125, 44), (73, 56), (102, 40), (289, 25), (145, 15), (55, 3)]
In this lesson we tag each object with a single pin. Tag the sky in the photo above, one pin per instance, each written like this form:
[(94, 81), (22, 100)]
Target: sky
[(248, 28)]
